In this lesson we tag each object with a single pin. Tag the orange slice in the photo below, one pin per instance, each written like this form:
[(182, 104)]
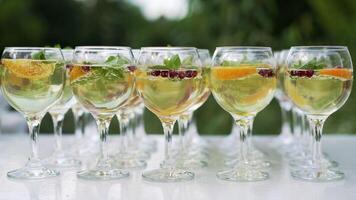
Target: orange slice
[(30, 69), (230, 73), (76, 72), (337, 72)]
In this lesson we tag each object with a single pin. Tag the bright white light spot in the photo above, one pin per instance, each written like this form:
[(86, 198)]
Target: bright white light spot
[(170, 9)]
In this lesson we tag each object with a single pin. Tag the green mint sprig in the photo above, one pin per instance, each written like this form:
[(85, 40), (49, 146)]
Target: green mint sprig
[(39, 55), (172, 63), (314, 64)]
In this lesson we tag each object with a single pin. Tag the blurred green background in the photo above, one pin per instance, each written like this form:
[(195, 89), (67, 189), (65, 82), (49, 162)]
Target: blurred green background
[(200, 23)]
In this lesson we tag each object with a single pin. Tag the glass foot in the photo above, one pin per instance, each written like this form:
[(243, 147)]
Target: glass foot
[(318, 175), (168, 175), (242, 174), (39, 172), (191, 164), (308, 163), (102, 174), (62, 161), (254, 164), (129, 163)]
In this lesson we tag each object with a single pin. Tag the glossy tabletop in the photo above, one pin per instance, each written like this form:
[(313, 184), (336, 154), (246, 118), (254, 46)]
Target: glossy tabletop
[(280, 186)]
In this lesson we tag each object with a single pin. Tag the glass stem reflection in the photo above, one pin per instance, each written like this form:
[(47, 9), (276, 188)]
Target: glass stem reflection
[(57, 127), (34, 129), (168, 125), (286, 124), (103, 124), (316, 128), (79, 118), (124, 122), (182, 128), (245, 125)]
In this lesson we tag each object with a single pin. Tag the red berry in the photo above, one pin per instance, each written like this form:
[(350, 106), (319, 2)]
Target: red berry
[(309, 73), (69, 66), (194, 73), (155, 73), (172, 74), (181, 74), (132, 68), (189, 73), (266, 72), (302, 73), (85, 68), (164, 73)]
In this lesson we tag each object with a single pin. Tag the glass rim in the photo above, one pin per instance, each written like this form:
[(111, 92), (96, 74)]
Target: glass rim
[(168, 49), (67, 50), (318, 48), (31, 48), (102, 48), (244, 48)]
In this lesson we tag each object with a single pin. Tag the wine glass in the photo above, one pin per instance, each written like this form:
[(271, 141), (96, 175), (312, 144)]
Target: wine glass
[(102, 83), (59, 157), (191, 153), (32, 81), (318, 81), (137, 126), (243, 82), (286, 136), (169, 81)]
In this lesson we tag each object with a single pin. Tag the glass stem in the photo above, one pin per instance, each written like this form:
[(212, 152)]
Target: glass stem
[(316, 128), (168, 125), (103, 124), (296, 124), (34, 129), (286, 127), (57, 128), (244, 124), (123, 123), (79, 124), (182, 128)]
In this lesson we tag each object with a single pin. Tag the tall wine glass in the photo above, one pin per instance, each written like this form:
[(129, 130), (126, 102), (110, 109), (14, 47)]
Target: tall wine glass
[(286, 136), (60, 158), (102, 83), (318, 81), (141, 140), (32, 81), (169, 80), (243, 82), (190, 152)]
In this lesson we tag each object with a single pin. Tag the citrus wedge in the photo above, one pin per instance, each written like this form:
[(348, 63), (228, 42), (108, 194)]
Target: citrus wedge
[(231, 73), (30, 69), (337, 72), (76, 72)]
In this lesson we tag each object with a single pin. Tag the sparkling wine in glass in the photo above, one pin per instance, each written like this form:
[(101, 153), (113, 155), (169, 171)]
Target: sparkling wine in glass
[(102, 84), (169, 81), (243, 82), (32, 81), (60, 158), (318, 81)]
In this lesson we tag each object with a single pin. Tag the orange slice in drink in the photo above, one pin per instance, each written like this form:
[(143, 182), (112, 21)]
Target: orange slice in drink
[(76, 72), (30, 69), (337, 72), (231, 73)]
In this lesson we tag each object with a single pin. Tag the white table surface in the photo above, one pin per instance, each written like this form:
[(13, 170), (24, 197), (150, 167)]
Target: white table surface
[(280, 186)]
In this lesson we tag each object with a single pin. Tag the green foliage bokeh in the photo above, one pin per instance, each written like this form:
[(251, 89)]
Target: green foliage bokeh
[(209, 23)]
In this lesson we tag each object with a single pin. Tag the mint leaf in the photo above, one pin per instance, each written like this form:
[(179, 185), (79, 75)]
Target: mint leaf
[(173, 62), (312, 64), (188, 60), (116, 61), (39, 55), (57, 46)]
